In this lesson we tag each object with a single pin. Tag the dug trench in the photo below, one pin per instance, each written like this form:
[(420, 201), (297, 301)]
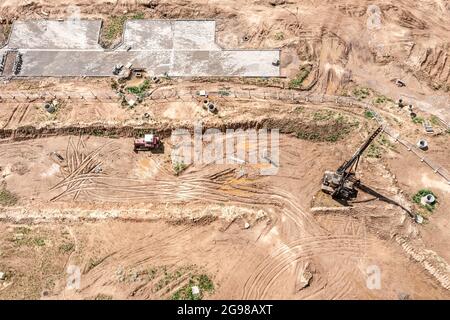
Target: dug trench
[(298, 126)]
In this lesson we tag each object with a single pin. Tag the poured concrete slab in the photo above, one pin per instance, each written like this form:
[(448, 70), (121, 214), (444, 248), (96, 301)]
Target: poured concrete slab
[(157, 63), (148, 35), (170, 34), (174, 47), (195, 35), (47, 34), (89, 63)]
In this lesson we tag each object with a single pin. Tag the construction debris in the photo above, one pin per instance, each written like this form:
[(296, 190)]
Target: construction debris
[(18, 64), (195, 290), (131, 103), (57, 155), (305, 276), (400, 83), (428, 199), (50, 107), (2, 63), (428, 127), (117, 69), (422, 144), (203, 93), (98, 169), (419, 219), (305, 280), (212, 107), (129, 100)]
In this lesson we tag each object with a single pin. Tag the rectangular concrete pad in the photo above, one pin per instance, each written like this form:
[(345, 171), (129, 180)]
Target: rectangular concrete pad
[(43, 34), (176, 47), (90, 63), (195, 35), (148, 35), (170, 34), (175, 63)]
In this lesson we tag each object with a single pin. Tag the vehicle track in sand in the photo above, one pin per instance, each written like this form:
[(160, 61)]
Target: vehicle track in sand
[(277, 263), (201, 186), (156, 249), (212, 186), (153, 248), (17, 115), (109, 189)]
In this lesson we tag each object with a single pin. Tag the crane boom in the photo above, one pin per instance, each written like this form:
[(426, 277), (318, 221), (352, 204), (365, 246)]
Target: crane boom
[(348, 164)]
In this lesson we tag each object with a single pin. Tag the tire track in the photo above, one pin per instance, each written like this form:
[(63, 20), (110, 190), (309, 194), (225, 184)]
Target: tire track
[(10, 117), (274, 265)]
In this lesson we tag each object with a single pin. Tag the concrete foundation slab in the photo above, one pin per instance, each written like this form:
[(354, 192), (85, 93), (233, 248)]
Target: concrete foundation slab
[(148, 35), (157, 63), (46, 34), (169, 35), (173, 47)]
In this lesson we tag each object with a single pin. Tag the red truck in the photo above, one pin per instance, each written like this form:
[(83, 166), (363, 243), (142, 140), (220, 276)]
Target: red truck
[(147, 143)]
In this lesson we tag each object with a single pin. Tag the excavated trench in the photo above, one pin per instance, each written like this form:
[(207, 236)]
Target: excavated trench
[(300, 127)]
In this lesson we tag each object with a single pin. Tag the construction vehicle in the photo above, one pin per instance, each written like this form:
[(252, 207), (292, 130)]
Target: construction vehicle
[(117, 68), (147, 143), (342, 183)]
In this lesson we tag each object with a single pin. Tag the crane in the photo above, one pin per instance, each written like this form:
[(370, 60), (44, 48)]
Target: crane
[(342, 183)]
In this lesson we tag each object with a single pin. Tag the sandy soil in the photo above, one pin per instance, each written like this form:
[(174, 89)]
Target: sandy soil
[(286, 239), (136, 230)]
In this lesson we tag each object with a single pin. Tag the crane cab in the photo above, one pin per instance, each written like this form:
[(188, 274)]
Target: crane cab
[(339, 186), (342, 183)]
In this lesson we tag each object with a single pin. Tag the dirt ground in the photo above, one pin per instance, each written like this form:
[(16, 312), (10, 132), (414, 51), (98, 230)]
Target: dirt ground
[(76, 200)]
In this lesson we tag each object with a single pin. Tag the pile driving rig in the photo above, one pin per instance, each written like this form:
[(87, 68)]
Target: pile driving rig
[(342, 183)]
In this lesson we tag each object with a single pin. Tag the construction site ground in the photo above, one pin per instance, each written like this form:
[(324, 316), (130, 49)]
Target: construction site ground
[(73, 192)]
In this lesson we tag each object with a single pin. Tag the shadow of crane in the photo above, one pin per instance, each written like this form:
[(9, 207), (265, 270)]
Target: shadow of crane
[(381, 197)]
